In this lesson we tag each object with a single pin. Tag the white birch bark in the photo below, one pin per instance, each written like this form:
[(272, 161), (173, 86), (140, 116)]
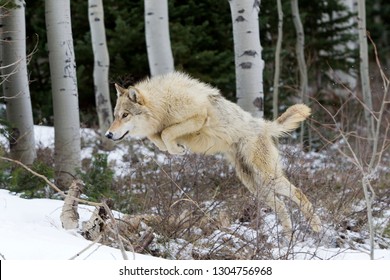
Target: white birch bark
[(15, 83), (158, 43), (100, 69), (247, 54), (64, 90), (275, 98), (364, 66)]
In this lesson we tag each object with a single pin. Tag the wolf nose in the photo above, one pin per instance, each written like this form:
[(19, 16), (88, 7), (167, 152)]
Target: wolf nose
[(109, 135)]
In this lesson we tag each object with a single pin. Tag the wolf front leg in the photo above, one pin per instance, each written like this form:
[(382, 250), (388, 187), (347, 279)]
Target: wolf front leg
[(156, 139), (172, 133)]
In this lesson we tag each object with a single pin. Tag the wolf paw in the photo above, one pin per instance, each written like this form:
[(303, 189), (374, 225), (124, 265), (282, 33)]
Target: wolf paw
[(162, 147), (177, 149), (315, 224)]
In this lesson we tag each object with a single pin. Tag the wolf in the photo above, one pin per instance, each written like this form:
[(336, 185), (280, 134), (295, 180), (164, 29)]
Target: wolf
[(178, 113)]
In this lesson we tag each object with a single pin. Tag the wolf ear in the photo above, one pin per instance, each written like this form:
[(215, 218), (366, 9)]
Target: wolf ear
[(120, 90), (136, 96)]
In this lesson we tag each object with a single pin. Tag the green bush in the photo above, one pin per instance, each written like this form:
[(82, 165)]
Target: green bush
[(98, 178), (28, 185)]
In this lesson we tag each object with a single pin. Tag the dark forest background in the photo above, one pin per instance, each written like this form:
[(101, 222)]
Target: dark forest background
[(202, 44)]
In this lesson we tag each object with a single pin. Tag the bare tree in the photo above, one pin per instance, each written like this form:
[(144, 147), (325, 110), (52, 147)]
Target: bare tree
[(158, 43), (64, 91), (15, 82), (300, 52), (101, 68), (365, 150), (277, 60), (364, 66), (248, 59)]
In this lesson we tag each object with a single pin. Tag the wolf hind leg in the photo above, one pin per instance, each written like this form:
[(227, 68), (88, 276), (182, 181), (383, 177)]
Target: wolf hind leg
[(171, 133), (280, 209), (284, 187), (263, 192)]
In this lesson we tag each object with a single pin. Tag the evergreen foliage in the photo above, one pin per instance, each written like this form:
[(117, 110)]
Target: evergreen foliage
[(19, 180), (378, 24), (98, 179), (202, 44)]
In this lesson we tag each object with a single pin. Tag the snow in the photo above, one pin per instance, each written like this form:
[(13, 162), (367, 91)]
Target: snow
[(30, 229)]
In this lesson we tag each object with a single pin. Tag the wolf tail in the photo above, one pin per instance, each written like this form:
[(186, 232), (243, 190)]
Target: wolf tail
[(289, 120)]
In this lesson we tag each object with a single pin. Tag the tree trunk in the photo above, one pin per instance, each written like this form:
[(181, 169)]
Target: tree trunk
[(300, 52), (364, 67), (158, 42), (275, 98), (16, 84), (248, 60), (101, 68), (64, 91)]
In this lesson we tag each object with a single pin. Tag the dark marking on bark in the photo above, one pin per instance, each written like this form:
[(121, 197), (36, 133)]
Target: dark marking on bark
[(258, 103), (150, 14), (101, 100), (248, 32), (93, 6), (62, 89), (252, 53), (14, 137), (256, 4), (246, 65), (240, 19), (241, 11), (105, 114), (97, 19)]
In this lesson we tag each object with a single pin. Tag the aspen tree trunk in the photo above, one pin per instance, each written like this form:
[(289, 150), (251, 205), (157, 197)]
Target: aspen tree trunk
[(16, 84), (364, 67), (247, 54), (300, 52), (275, 98), (158, 42), (373, 125), (64, 91), (101, 68)]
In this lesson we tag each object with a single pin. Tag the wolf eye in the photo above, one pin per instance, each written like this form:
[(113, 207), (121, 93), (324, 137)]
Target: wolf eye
[(124, 115)]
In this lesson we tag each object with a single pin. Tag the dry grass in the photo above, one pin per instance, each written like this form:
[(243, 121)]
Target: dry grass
[(197, 208)]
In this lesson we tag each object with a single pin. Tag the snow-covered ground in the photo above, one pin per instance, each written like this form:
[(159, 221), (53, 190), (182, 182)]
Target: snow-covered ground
[(30, 229)]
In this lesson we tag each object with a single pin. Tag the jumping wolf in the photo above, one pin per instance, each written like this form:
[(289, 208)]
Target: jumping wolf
[(177, 112)]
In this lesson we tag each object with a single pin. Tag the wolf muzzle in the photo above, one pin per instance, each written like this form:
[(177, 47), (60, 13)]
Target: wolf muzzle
[(109, 135)]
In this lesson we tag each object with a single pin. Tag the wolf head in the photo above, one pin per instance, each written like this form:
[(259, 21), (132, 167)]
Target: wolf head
[(130, 115)]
